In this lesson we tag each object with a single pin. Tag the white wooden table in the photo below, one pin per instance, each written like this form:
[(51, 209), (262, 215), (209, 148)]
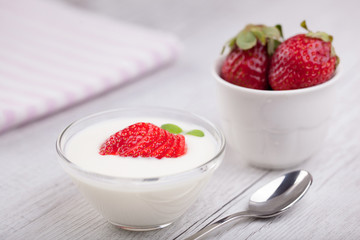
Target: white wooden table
[(39, 201)]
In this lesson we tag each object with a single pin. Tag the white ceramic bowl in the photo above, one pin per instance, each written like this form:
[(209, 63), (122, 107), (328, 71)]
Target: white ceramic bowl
[(141, 203), (275, 129)]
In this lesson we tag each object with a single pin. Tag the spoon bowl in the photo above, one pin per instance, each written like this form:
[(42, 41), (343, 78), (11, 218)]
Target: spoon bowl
[(280, 194), (270, 200)]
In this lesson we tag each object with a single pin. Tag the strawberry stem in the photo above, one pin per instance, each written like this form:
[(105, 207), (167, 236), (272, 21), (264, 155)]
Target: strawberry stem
[(279, 27), (303, 25)]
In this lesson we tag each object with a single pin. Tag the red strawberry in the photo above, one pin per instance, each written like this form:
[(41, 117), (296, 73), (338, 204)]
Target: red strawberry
[(144, 140), (248, 62), (161, 151), (303, 60), (181, 150)]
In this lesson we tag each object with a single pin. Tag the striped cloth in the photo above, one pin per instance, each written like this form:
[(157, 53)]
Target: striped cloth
[(53, 55)]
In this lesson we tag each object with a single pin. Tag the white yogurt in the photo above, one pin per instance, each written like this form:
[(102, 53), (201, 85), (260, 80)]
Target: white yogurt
[(83, 150), (139, 205)]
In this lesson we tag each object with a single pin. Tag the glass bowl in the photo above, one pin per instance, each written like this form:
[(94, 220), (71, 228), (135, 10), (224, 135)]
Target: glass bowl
[(141, 203)]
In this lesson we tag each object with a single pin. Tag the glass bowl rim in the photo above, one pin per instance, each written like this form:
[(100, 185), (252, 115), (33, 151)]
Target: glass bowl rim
[(208, 165)]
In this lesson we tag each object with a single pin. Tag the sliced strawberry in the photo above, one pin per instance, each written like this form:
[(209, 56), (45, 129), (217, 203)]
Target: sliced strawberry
[(160, 137), (181, 148), (137, 144), (111, 145), (170, 153), (131, 136), (144, 140), (161, 150)]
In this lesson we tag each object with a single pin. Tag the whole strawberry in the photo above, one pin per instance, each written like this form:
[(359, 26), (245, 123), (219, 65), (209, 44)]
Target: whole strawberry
[(247, 64), (302, 61)]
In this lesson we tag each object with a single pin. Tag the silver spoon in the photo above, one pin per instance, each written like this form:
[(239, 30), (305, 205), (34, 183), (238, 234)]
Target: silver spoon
[(268, 201)]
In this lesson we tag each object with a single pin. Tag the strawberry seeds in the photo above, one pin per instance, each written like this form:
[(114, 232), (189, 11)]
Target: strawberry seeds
[(144, 140), (301, 61)]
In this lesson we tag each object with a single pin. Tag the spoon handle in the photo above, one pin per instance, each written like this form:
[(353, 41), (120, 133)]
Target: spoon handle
[(218, 224)]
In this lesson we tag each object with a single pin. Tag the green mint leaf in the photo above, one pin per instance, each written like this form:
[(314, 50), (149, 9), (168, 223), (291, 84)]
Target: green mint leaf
[(171, 128), (197, 133)]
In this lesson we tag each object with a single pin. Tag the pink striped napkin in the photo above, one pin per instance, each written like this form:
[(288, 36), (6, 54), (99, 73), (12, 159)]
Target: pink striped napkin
[(53, 55)]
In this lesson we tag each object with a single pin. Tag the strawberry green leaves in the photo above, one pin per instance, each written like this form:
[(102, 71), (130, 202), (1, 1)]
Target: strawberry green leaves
[(248, 37), (172, 128), (245, 40), (320, 35), (274, 34), (323, 36)]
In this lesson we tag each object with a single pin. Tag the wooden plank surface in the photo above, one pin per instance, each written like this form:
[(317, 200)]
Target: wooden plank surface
[(39, 201)]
